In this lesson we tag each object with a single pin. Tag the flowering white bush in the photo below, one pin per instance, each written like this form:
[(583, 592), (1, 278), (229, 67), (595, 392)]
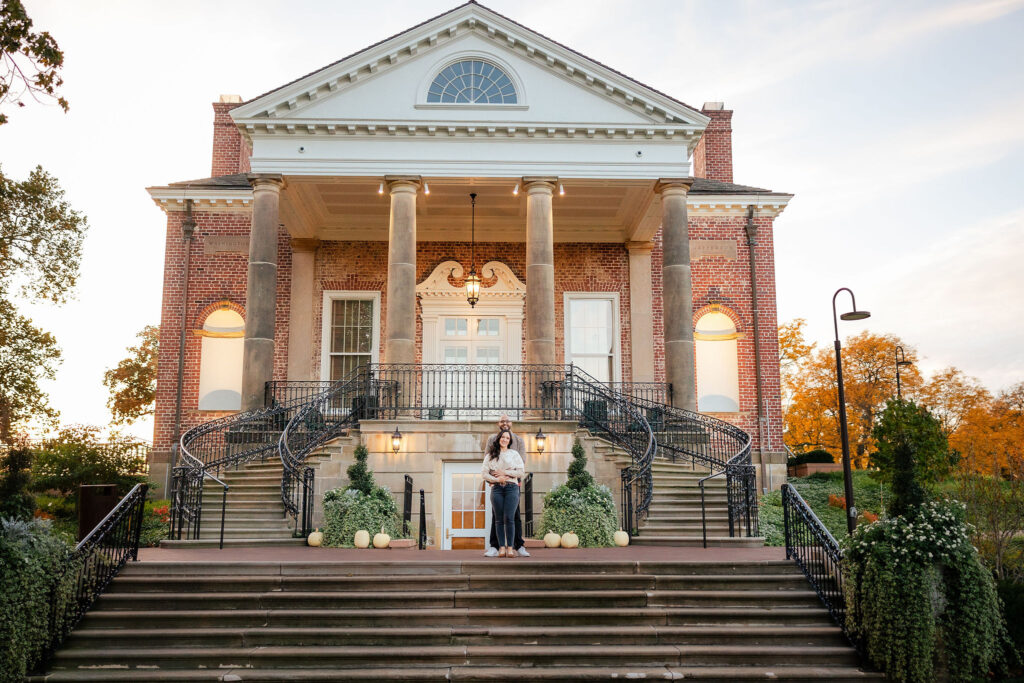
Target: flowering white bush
[(917, 593)]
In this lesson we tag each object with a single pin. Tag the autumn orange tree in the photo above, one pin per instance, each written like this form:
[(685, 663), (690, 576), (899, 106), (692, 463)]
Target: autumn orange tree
[(810, 393)]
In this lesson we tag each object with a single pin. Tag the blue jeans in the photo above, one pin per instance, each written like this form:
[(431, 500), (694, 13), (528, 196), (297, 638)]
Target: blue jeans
[(504, 501)]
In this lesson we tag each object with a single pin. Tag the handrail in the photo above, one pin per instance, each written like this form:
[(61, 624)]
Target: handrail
[(722, 447), (94, 563), (816, 552), (320, 419)]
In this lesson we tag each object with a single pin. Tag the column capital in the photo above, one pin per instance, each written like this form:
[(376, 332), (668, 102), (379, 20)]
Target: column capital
[(673, 185), (300, 244), (644, 247), (266, 181), (545, 184), (403, 183)]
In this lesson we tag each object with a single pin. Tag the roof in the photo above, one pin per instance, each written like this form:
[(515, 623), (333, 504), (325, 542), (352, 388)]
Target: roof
[(240, 181), (512, 21)]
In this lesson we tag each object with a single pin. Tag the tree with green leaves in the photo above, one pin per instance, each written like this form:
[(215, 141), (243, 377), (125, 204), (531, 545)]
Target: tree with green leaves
[(912, 453), (15, 500), (28, 355), (30, 62), (132, 383)]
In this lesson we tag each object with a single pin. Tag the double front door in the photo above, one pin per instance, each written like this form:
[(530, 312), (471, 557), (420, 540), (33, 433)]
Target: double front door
[(467, 343)]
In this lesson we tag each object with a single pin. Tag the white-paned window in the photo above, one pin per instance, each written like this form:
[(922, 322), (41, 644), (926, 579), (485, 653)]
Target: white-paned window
[(220, 361), (718, 383), (351, 335), (591, 333), (472, 81)]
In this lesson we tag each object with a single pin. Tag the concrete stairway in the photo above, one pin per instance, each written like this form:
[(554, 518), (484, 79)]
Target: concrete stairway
[(674, 518), (255, 515), (451, 620)]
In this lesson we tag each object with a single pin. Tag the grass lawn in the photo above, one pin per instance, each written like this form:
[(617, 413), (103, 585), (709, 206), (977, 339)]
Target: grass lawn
[(868, 494)]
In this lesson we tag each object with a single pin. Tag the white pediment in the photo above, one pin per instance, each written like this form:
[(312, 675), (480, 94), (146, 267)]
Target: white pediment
[(497, 282), (590, 120)]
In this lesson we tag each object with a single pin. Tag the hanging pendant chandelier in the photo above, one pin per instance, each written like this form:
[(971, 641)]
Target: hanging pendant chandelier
[(473, 280)]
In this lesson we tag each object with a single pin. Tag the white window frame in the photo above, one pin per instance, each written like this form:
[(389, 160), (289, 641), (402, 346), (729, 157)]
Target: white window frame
[(616, 327), (452, 58), (332, 295)]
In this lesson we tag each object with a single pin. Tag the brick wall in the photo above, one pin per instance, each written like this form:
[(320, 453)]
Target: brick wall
[(362, 266), (712, 157), (212, 278), (230, 151)]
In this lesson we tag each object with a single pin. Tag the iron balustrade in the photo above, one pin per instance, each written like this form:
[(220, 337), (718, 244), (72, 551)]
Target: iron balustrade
[(319, 419), (528, 506), (816, 552), (94, 563), (406, 506), (302, 416), (422, 536)]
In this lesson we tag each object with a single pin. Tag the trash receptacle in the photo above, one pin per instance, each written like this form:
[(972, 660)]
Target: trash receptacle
[(94, 503)]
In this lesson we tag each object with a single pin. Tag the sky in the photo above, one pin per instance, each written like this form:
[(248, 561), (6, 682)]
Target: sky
[(898, 126)]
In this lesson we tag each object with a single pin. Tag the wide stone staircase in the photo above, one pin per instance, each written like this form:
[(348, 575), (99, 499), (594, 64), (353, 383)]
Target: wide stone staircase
[(457, 620)]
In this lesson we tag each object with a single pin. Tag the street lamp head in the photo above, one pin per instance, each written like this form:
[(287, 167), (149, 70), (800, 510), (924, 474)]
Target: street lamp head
[(855, 315)]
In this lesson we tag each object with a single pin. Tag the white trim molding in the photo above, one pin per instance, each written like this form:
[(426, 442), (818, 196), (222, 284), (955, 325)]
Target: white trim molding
[(616, 327), (332, 295)]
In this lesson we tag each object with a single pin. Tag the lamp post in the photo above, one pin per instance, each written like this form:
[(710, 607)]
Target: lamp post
[(901, 359), (851, 509)]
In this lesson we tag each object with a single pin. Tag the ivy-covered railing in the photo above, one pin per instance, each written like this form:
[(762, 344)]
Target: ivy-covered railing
[(94, 563), (816, 552)]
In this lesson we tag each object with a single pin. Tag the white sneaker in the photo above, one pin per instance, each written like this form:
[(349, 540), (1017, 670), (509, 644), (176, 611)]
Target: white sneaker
[(491, 552), (522, 551)]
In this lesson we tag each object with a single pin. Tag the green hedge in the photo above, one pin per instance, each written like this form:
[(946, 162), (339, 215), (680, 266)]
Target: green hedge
[(589, 513), (30, 556), (346, 511), (818, 455)]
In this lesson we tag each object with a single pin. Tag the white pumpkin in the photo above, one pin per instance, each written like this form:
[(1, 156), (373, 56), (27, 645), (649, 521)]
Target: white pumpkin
[(621, 538), (316, 538), (570, 540), (362, 539), (552, 540), (381, 540)]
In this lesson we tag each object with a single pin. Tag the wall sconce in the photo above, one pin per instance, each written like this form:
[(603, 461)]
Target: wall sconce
[(396, 440), (541, 440)]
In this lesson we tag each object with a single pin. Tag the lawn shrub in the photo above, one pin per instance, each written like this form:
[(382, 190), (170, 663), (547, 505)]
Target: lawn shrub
[(346, 511), (589, 513)]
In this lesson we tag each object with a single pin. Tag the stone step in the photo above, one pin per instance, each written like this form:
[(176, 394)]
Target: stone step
[(456, 598), (234, 543), (506, 616), (231, 637), (139, 584), (387, 566), (453, 655), (471, 674), (693, 541)]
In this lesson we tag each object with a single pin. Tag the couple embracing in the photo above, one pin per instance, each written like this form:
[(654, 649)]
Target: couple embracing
[(504, 469)]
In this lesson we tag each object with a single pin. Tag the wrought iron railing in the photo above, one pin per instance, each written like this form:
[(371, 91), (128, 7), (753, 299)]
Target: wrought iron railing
[(94, 563), (406, 506), (816, 552), (211, 447), (319, 419), (720, 447), (528, 506), (645, 392)]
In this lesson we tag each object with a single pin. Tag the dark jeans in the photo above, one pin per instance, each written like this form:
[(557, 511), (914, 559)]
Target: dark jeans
[(505, 502), (519, 531)]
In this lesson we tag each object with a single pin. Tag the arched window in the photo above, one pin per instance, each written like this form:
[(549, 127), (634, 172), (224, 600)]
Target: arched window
[(472, 81), (718, 382), (220, 362)]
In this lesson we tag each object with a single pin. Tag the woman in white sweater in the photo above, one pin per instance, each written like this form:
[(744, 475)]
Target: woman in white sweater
[(503, 467)]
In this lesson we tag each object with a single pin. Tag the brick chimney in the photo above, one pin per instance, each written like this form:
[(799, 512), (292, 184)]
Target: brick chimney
[(713, 156), (230, 153)]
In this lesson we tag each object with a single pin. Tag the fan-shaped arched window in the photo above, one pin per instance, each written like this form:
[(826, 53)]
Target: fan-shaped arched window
[(718, 382), (472, 81), (220, 361)]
